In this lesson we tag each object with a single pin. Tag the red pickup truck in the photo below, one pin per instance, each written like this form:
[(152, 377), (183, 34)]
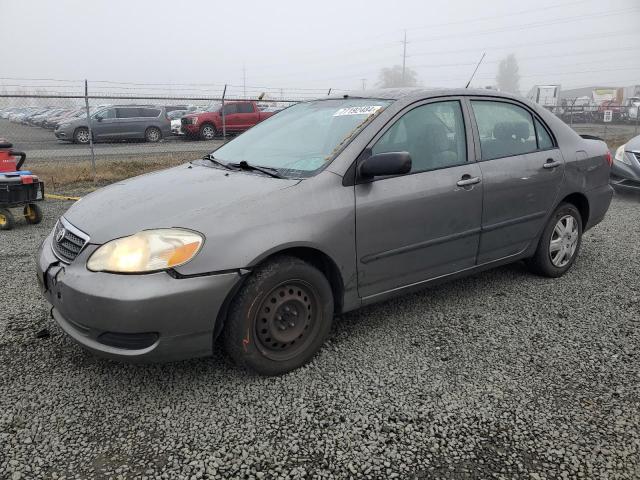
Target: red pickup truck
[(238, 115)]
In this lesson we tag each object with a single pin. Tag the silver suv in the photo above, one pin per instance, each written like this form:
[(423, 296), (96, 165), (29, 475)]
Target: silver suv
[(148, 122)]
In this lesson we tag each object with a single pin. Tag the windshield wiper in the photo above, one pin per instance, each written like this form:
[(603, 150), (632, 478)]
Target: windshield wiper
[(243, 165), (213, 159)]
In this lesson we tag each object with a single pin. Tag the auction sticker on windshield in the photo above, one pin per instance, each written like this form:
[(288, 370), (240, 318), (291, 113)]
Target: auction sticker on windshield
[(364, 110)]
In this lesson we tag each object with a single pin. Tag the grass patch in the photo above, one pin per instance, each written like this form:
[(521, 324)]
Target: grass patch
[(73, 177)]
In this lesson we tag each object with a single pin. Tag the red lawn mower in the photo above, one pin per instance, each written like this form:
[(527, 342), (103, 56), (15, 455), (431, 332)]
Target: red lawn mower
[(18, 188)]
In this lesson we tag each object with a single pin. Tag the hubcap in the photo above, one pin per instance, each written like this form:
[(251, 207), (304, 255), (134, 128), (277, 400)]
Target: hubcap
[(208, 132), (83, 136), (286, 320), (564, 241), (153, 135)]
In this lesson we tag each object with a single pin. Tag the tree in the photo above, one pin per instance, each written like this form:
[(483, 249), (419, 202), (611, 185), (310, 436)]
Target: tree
[(508, 78), (392, 77)]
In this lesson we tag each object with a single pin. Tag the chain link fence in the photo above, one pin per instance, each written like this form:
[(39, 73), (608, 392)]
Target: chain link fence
[(73, 132)]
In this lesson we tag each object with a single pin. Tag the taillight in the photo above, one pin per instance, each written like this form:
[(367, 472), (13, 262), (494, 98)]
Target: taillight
[(609, 158)]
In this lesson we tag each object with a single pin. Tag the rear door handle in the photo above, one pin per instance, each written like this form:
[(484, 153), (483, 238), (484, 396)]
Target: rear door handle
[(551, 163), (467, 180)]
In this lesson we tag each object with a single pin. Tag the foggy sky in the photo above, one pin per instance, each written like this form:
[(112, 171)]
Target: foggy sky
[(315, 45)]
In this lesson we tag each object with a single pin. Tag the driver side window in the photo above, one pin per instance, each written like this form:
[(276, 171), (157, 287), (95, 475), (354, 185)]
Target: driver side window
[(433, 134), (108, 113)]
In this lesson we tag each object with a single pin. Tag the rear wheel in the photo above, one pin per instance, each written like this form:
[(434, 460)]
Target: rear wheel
[(152, 135), (81, 136), (207, 132), (559, 244), (280, 318), (32, 213), (7, 222)]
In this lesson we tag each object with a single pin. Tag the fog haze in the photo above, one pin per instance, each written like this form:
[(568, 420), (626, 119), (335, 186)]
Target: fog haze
[(317, 45)]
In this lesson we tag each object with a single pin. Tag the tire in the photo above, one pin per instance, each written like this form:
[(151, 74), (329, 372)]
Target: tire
[(280, 318), (81, 136), (208, 132), (152, 134), (7, 222), (32, 213), (564, 229)]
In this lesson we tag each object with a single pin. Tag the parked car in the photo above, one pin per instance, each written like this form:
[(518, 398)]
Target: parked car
[(578, 110), (615, 107), (176, 115), (630, 107), (325, 207), (239, 116), (625, 172), (118, 122)]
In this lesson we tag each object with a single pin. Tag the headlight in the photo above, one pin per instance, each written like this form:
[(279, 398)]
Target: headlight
[(194, 120), (146, 251), (620, 155)]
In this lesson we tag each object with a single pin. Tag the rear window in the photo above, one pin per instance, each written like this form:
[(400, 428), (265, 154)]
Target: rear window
[(149, 112), (127, 112), (245, 108), (505, 129)]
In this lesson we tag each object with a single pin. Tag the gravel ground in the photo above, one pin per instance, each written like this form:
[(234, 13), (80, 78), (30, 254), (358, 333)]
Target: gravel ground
[(501, 375)]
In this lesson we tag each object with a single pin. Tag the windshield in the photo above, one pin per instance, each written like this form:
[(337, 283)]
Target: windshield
[(212, 107), (303, 138)]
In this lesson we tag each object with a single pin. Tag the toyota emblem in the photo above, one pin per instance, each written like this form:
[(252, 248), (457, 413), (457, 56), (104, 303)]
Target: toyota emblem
[(60, 235)]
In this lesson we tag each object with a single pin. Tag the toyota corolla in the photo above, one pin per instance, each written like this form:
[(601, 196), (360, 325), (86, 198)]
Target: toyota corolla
[(325, 207)]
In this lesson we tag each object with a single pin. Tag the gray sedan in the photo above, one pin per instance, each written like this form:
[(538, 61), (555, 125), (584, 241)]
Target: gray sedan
[(625, 172), (325, 207)]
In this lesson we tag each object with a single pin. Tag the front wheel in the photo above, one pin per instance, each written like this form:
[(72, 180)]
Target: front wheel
[(81, 136), (280, 317), (559, 244), (207, 132), (152, 135)]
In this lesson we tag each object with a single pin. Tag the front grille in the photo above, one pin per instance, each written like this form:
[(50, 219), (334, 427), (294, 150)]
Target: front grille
[(68, 241)]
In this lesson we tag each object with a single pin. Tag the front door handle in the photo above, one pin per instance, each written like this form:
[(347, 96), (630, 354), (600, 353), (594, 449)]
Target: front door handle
[(467, 180), (551, 163)]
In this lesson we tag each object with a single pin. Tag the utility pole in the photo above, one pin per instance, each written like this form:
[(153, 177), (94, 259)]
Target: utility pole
[(364, 83), (404, 55)]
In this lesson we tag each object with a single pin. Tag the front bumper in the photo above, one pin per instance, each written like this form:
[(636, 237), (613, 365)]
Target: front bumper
[(190, 129), (61, 134), (152, 317), (626, 176)]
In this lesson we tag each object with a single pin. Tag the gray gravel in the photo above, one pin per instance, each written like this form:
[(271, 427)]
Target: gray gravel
[(501, 375)]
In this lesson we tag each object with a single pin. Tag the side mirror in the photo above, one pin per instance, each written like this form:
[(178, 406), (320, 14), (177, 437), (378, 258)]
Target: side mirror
[(383, 164), (98, 119)]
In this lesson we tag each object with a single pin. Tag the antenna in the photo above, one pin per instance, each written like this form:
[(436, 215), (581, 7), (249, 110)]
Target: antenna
[(474, 72)]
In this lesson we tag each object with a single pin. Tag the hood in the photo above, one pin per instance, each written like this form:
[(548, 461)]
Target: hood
[(189, 196), (633, 144)]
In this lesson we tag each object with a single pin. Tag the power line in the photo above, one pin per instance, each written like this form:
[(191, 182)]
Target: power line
[(533, 25)]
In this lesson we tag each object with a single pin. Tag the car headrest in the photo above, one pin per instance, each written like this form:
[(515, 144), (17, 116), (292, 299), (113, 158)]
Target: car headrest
[(437, 135), (511, 131)]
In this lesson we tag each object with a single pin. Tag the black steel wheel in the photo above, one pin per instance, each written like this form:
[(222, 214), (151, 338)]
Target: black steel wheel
[(280, 317), (286, 321)]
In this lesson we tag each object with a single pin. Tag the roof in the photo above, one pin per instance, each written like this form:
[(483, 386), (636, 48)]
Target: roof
[(398, 93)]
